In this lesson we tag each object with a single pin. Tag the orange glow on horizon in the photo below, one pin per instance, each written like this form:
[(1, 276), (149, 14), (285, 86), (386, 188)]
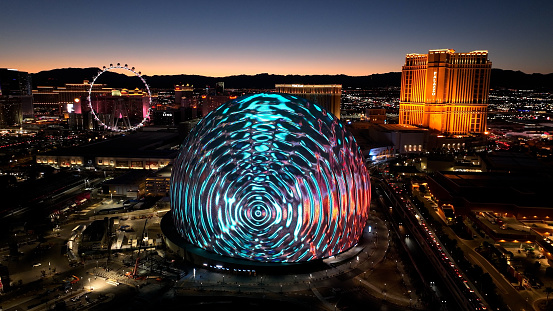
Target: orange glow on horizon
[(206, 66)]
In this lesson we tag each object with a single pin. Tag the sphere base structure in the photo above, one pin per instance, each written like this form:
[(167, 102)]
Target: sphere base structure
[(202, 258)]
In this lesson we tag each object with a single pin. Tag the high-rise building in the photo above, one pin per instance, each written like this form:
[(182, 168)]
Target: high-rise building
[(446, 91), (328, 96), (209, 103), (15, 97), (183, 92), (220, 88), (55, 101)]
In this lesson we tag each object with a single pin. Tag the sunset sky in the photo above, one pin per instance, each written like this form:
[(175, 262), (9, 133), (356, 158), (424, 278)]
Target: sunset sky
[(221, 38)]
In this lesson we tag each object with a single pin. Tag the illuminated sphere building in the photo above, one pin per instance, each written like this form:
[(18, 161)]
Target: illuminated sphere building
[(270, 178)]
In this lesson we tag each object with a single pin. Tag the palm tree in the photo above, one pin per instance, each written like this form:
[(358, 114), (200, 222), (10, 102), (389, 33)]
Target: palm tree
[(548, 290)]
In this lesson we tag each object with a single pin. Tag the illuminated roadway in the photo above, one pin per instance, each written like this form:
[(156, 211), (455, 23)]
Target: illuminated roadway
[(512, 297), (429, 276), (462, 290)]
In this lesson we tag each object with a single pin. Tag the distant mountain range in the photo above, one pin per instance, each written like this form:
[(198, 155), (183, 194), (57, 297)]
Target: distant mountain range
[(59, 77)]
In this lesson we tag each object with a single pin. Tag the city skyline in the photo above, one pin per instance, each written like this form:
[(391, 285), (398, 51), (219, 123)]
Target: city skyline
[(222, 39)]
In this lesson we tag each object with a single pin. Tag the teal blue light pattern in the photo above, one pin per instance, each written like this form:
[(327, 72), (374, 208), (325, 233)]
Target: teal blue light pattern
[(272, 178)]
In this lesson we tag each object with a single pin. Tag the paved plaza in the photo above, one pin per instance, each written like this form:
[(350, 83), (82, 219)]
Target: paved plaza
[(370, 272)]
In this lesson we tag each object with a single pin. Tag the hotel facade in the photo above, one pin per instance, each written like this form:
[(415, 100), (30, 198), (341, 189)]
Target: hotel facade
[(446, 91), (328, 96)]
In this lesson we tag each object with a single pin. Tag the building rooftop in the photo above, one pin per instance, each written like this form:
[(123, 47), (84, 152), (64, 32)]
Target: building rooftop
[(512, 161), (521, 189), (163, 172), (131, 177), (400, 127), (308, 85), (140, 144)]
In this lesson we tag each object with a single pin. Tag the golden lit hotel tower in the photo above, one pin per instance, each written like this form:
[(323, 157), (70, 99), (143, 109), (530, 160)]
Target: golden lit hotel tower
[(328, 96), (446, 91)]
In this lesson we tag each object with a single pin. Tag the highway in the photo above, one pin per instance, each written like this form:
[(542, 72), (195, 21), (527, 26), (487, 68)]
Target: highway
[(455, 285)]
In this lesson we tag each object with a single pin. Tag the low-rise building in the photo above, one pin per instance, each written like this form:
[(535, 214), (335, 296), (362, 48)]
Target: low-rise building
[(130, 185), (158, 183)]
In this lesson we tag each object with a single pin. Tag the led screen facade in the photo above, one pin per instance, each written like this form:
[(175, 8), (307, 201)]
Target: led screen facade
[(273, 178)]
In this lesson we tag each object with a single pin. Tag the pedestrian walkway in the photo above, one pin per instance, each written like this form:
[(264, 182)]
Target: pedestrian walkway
[(116, 276), (358, 263)]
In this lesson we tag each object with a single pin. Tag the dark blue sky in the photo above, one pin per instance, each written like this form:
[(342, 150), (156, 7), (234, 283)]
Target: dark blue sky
[(219, 38)]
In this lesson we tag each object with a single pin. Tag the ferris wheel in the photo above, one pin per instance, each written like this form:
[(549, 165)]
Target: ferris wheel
[(120, 115)]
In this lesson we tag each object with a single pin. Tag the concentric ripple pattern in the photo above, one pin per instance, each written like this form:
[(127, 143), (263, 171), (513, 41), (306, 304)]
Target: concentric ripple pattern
[(270, 177)]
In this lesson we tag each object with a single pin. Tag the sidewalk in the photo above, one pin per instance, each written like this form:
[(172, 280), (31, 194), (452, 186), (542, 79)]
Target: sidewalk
[(357, 264)]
